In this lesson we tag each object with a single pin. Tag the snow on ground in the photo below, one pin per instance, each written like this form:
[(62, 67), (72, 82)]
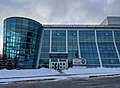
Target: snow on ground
[(26, 73), (49, 78), (83, 71), (7, 76)]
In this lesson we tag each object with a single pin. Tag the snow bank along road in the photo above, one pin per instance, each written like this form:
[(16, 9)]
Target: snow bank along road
[(50, 74)]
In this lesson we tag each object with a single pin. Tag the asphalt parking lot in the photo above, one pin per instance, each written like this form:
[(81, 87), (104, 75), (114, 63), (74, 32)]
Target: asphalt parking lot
[(111, 82)]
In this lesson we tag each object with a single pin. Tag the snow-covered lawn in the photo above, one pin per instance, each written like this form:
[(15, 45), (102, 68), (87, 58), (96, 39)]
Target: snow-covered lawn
[(44, 73), (92, 71), (27, 73)]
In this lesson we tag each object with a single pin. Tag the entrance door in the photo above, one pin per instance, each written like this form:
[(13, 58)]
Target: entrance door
[(54, 65), (58, 60), (58, 65), (62, 65)]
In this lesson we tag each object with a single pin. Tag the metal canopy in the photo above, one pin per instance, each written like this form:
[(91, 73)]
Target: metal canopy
[(58, 55)]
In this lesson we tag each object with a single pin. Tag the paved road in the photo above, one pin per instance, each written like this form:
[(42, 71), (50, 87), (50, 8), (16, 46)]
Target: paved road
[(112, 82)]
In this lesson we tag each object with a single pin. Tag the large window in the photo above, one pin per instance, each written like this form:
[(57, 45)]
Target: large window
[(88, 47), (58, 41), (72, 45), (44, 56), (104, 36), (107, 49), (117, 39)]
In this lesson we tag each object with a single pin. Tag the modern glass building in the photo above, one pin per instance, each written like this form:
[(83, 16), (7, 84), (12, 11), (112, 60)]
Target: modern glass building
[(56, 46), (21, 40)]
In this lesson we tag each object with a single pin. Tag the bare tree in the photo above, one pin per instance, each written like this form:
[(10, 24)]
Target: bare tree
[(9, 63), (15, 63), (1, 62)]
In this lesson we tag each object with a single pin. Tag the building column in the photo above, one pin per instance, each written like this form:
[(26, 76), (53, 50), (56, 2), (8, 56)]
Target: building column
[(50, 39), (50, 64), (66, 41), (115, 45), (67, 63), (39, 51), (98, 49), (79, 54), (58, 60)]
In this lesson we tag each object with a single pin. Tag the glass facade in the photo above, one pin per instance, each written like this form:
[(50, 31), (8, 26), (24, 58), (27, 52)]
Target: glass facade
[(72, 46), (21, 40), (31, 43), (88, 47), (44, 56), (107, 49), (117, 39), (58, 41)]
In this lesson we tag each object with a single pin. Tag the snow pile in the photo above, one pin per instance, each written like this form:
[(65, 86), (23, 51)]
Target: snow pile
[(50, 72), (85, 71), (7, 76), (27, 73)]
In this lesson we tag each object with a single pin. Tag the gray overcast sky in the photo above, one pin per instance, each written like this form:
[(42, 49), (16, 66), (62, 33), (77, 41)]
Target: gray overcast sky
[(59, 11)]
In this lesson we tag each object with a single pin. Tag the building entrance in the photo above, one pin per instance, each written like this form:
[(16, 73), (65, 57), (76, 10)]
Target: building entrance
[(58, 61), (59, 65)]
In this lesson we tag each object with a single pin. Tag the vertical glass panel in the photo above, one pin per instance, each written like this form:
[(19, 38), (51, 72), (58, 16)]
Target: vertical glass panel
[(58, 41), (107, 49), (117, 39), (44, 55), (86, 35), (104, 35), (88, 47), (72, 45)]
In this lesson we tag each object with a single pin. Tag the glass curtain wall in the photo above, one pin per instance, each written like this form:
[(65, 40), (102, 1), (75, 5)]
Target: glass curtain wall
[(44, 56), (117, 39), (58, 41), (21, 40), (88, 47), (72, 46), (106, 48)]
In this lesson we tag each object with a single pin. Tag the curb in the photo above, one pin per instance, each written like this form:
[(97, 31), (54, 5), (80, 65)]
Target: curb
[(54, 78), (96, 76)]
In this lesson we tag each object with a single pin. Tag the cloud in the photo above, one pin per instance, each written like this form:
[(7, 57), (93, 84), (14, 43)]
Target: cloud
[(113, 7), (59, 11)]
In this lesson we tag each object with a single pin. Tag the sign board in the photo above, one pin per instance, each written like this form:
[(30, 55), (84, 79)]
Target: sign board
[(76, 62), (58, 55), (79, 62)]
